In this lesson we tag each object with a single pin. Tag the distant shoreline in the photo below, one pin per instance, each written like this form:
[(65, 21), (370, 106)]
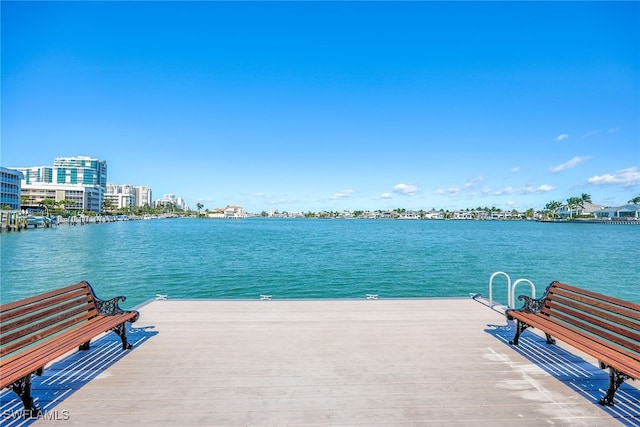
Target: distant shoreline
[(607, 221), (86, 220)]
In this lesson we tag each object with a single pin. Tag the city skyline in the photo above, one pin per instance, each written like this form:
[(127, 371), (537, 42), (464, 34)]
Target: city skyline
[(331, 106)]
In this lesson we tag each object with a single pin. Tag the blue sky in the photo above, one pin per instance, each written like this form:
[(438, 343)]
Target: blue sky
[(331, 105)]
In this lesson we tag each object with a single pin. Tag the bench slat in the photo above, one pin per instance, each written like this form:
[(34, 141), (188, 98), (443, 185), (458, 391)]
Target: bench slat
[(633, 309), (624, 337), (11, 319), (622, 317), (6, 308), (45, 330), (26, 325)]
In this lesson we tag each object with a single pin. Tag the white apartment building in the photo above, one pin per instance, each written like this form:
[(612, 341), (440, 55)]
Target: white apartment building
[(143, 196), (76, 197), (80, 180), (126, 196), (171, 199)]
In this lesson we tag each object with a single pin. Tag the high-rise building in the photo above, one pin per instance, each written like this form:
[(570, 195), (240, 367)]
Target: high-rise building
[(80, 179), (37, 174), (81, 170), (143, 196)]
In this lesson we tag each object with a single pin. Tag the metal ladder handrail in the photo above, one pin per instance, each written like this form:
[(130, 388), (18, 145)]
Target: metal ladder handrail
[(491, 286), (510, 288), (512, 303)]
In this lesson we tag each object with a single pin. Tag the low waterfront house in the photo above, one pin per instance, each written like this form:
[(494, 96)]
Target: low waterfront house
[(586, 209), (624, 211), (410, 215), (234, 212)]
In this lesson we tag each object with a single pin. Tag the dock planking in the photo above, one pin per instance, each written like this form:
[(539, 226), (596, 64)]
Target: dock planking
[(339, 363)]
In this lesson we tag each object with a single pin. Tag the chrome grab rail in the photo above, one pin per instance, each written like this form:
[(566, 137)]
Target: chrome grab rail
[(511, 302), (497, 273)]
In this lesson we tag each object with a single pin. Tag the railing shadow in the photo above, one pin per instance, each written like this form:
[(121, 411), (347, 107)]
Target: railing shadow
[(68, 375), (581, 376)]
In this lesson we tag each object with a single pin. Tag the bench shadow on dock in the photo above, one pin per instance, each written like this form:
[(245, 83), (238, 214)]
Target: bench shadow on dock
[(66, 376), (576, 373)]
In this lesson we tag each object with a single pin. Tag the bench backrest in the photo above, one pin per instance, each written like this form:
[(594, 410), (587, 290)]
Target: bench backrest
[(26, 322), (612, 319)]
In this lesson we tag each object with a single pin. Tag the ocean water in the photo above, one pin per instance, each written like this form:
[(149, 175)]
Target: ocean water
[(316, 258)]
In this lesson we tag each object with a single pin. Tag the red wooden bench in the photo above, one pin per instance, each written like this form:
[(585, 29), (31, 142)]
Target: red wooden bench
[(601, 326), (37, 330)]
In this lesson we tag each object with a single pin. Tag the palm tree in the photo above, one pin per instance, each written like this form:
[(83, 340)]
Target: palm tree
[(635, 200), (48, 205), (199, 206), (573, 202), (106, 205), (553, 207)]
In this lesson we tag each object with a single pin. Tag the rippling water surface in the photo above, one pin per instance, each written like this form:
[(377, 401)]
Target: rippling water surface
[(313, 258)]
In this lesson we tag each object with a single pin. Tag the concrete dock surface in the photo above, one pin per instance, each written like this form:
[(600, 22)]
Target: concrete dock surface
[(326, 363)]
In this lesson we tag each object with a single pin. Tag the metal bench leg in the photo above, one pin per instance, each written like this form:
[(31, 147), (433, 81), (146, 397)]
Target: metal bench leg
[(520, 327), (616, 378), (121, 330), (550, 339), (22, 388)]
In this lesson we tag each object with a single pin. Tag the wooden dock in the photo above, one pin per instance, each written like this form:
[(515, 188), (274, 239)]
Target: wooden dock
[(325, 363)]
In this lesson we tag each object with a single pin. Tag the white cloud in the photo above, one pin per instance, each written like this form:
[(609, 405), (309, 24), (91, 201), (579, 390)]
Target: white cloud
[(562, 137), (505, 191), (282, 201), (453, 190), (591, 133), (514, 170), (272, 199), (345, 194), (545, 188), (570, 164), (386, 196), (529, 189), (470, 185), (613, 130), (628, 177), (406, 189)]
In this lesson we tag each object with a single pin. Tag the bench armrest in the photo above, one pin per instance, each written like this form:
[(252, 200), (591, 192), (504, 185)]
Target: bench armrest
[(531, 305), (111, 307)]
